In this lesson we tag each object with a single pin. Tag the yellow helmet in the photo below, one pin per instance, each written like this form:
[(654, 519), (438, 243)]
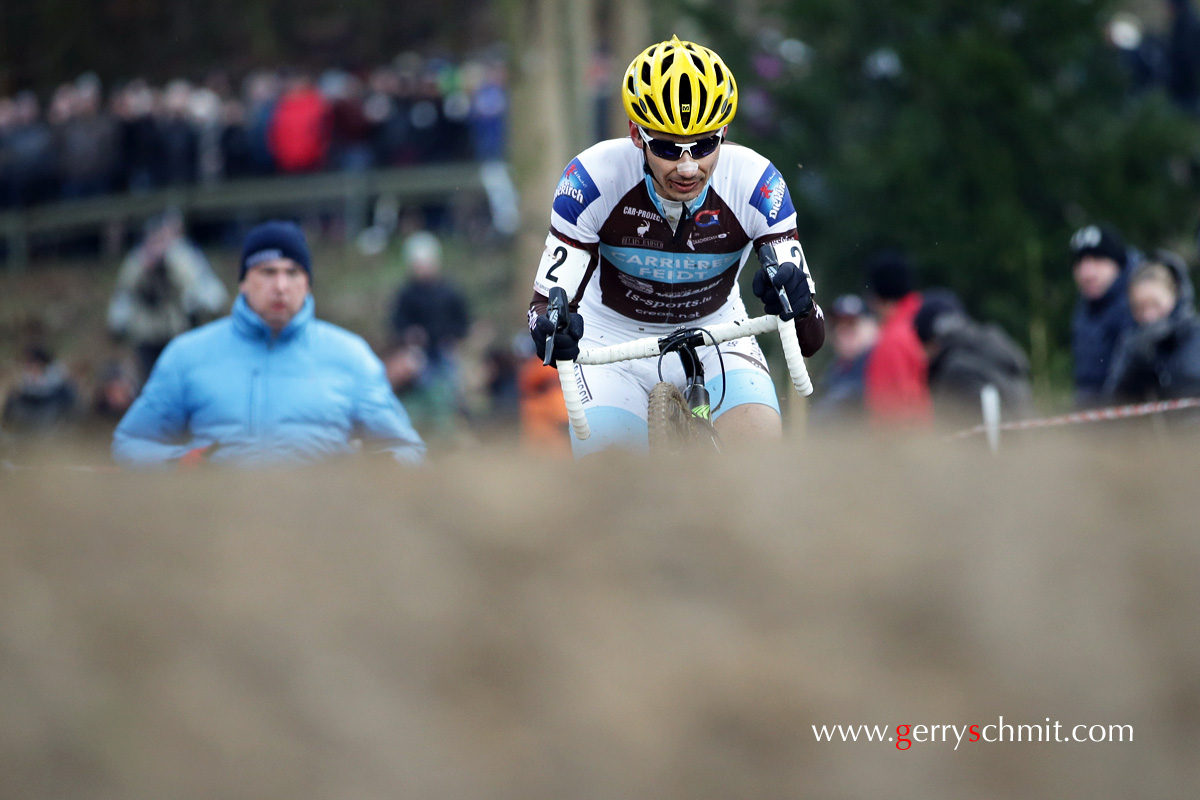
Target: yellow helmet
[(679, 87)]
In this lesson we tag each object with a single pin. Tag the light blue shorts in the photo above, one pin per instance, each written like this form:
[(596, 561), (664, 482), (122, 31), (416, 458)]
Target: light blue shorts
[(615, 396)]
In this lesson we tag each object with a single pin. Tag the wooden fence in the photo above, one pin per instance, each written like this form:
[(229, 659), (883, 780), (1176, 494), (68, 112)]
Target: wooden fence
[(347, 193)]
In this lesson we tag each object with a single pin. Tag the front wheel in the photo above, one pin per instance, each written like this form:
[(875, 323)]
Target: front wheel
[(673, 427)]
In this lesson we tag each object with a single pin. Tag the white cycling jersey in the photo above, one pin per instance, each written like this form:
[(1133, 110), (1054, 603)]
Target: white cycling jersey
[(634, 265), (629, 260)]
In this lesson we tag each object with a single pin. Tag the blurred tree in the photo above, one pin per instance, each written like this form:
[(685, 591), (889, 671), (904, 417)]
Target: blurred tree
[(975, 136)]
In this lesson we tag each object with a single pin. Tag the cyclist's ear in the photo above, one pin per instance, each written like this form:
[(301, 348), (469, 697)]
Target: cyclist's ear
[(633, 134)]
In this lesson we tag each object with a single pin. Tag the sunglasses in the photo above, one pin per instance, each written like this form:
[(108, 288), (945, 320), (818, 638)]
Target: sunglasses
[(673, 151)]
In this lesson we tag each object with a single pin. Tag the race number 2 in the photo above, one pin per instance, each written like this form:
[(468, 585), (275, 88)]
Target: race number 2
[(561, 265), (790, 250)]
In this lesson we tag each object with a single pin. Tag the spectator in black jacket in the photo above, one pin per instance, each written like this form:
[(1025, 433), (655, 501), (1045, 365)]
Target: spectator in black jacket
[(1100, 261), (965, 356), (1183, 55), (429, 310), (29, 155), (1160, 359)]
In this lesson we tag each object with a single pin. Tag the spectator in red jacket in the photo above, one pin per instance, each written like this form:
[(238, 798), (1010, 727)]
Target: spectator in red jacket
[(299, 133), (896, 386)]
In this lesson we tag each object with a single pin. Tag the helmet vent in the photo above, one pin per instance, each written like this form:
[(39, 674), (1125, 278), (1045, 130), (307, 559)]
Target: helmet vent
[(686, 113), (667, 61), (714, 113), (652, 110), (646, 72), (667, 105)]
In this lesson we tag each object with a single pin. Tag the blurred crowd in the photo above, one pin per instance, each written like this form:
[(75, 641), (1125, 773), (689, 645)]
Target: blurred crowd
[(460, 380), (906, 356), (86, 139), (1168, 59)]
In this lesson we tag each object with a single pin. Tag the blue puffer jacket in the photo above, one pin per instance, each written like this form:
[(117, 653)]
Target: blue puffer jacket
[(296, 397)]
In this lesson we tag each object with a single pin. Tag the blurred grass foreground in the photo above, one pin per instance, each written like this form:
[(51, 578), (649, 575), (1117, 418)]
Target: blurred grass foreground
[(497, 627)]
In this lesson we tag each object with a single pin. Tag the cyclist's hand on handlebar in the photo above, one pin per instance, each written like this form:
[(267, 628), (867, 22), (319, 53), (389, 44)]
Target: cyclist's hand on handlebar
[(566, 339), (794, 281)]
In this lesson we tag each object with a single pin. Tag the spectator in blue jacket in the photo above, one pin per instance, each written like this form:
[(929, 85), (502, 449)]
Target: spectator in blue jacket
[(268, 384), (1101, 263)]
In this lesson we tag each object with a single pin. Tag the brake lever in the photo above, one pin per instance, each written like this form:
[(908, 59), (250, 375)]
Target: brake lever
[(766, 257), (556, 312)]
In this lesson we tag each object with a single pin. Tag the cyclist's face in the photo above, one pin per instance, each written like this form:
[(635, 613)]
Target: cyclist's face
[(682, 179), (275, 290)]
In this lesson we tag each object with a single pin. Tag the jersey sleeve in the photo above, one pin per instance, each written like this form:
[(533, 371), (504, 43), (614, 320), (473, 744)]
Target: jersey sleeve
[(766, 211), (582, 199)]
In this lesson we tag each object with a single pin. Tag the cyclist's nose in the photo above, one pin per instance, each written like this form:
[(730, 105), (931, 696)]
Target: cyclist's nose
[(687, 167)]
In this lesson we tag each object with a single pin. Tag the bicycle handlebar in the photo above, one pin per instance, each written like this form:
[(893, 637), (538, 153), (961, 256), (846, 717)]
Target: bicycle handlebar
[(648, 347)]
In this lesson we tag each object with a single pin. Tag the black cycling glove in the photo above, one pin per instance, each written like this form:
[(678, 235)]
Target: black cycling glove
[(792, 280), (566, 340)]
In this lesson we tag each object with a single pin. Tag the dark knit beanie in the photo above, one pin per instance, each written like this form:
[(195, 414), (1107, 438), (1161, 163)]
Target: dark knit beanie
[(275, 239), (847, 306), (936, 305), (1101, 241), (889, 275)]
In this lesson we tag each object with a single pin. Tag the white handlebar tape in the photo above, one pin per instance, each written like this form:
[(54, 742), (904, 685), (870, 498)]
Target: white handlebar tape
[(570, 390), (795, 359), (648, 348)]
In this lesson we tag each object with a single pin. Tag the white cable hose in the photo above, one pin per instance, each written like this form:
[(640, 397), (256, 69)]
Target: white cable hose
[(570, 390), (795, 359)]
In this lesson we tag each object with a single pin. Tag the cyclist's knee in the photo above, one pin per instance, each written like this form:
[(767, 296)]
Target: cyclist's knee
[(749, 422)]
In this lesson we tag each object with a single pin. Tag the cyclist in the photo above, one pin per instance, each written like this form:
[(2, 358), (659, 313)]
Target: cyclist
[(650, 232)]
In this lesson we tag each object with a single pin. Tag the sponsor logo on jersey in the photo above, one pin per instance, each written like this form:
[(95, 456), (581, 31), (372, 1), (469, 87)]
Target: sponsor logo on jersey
[(634, 241), (576, 191), (693, 242), (634, 211), (646, 303), (634, 283), (688, 292), (668, 267), (772, 198), (706, 219)]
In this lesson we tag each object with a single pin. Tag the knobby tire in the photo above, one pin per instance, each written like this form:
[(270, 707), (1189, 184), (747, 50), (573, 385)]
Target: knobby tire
[(672, 426)]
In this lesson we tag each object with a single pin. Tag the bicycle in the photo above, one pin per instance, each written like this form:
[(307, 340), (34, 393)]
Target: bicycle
[(677, 420)]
